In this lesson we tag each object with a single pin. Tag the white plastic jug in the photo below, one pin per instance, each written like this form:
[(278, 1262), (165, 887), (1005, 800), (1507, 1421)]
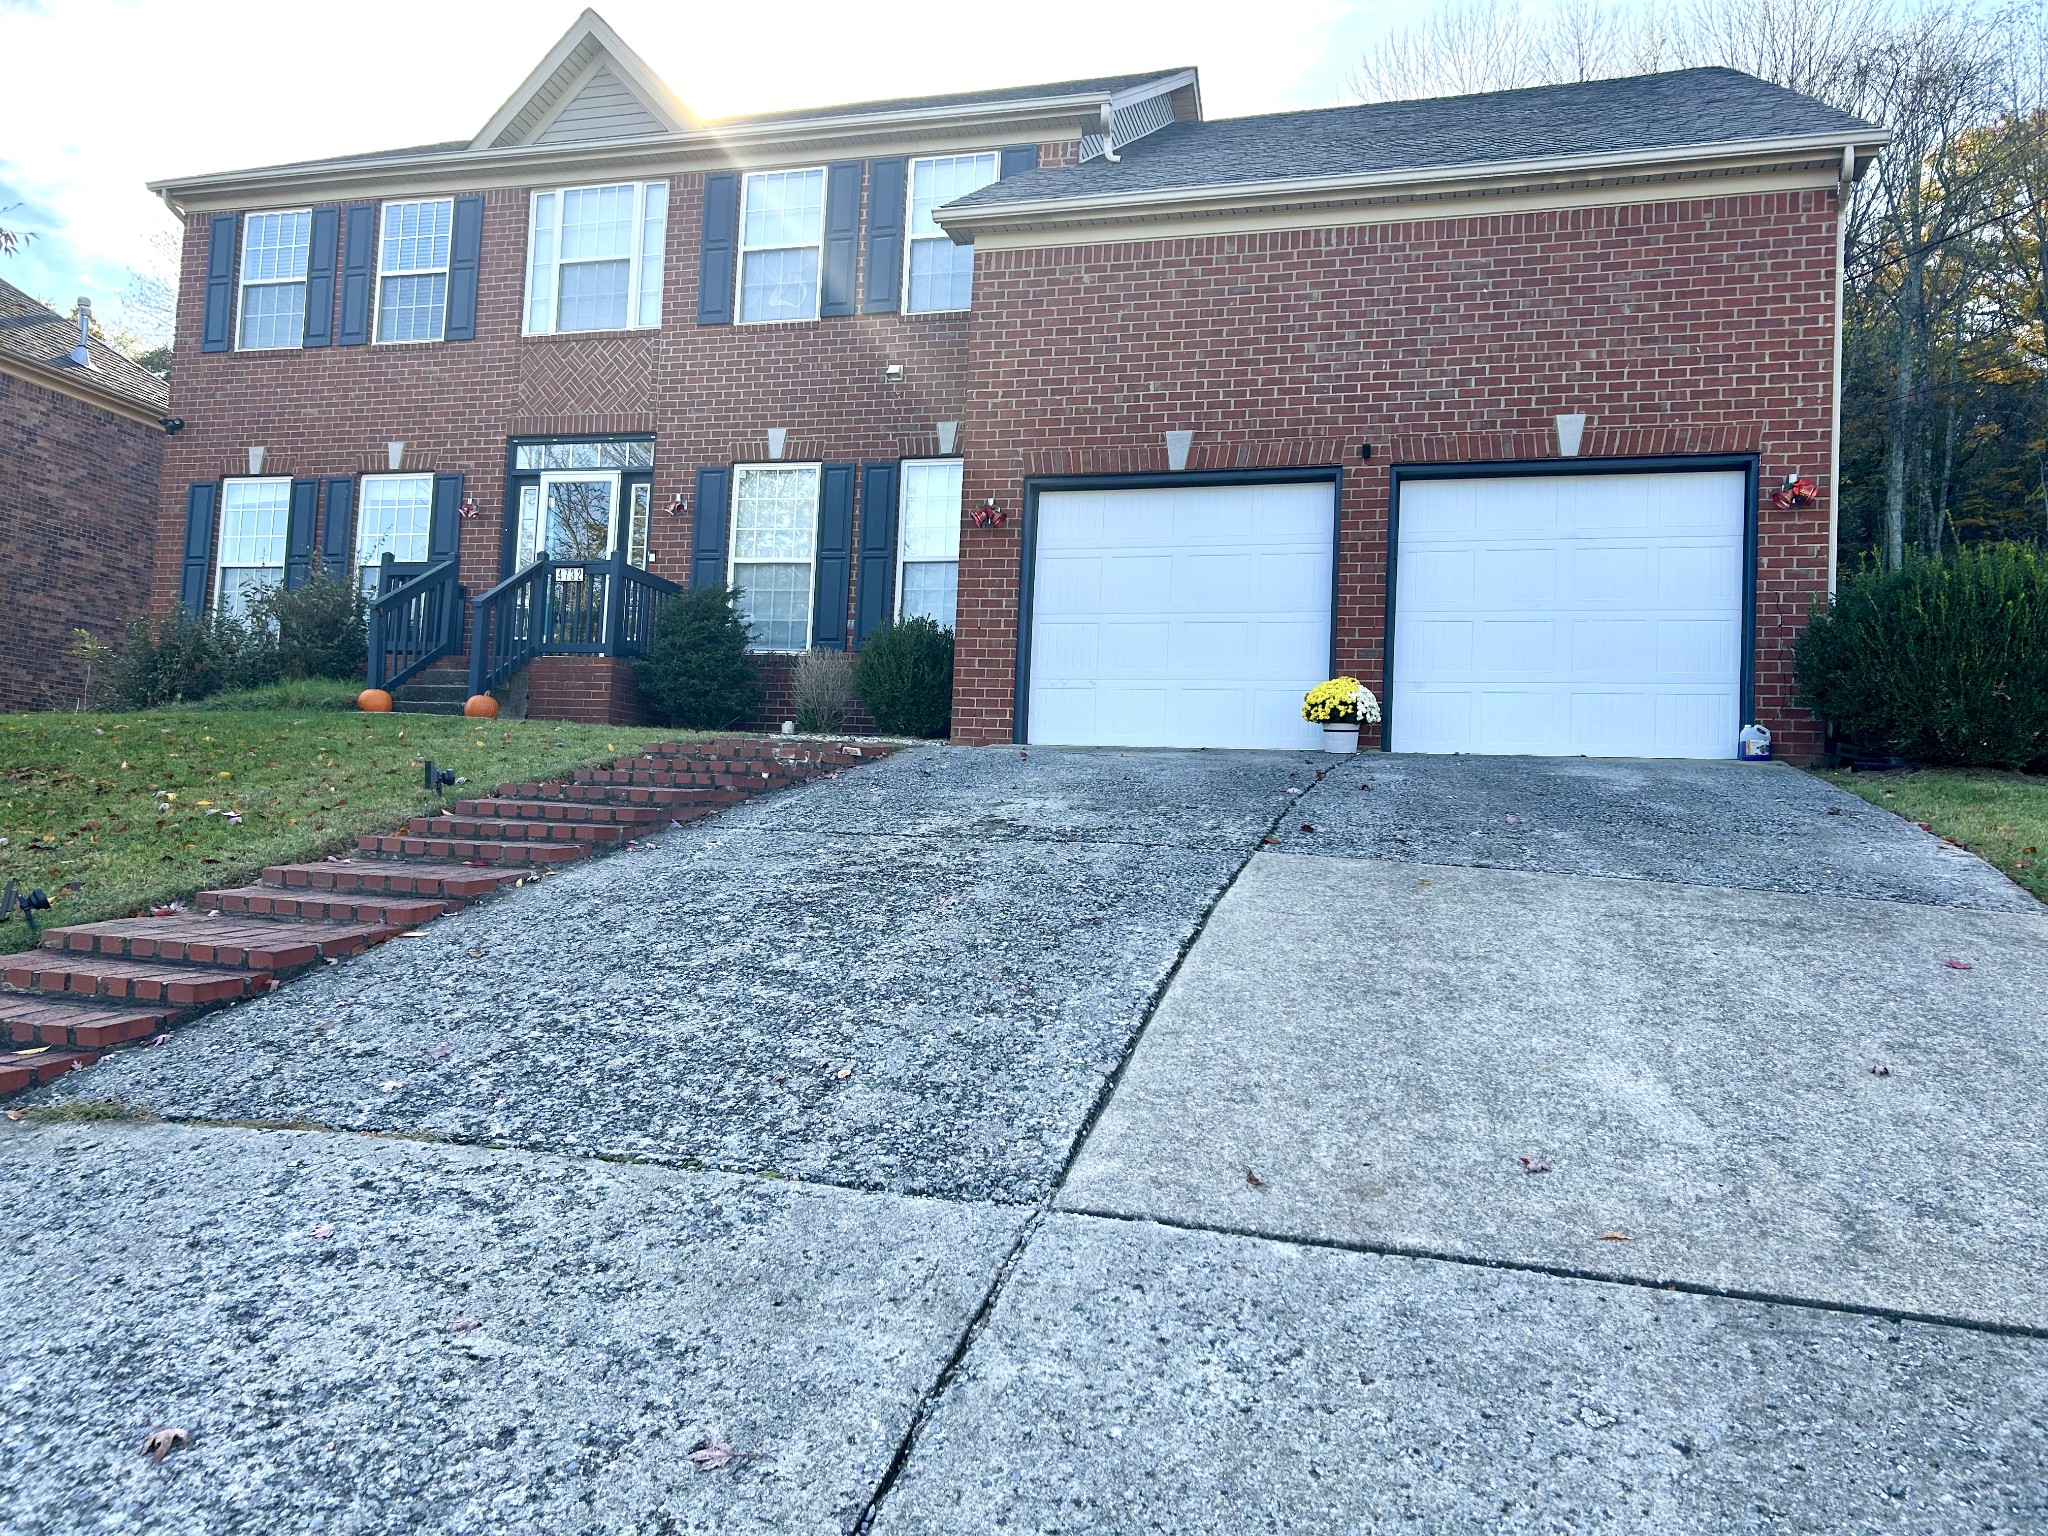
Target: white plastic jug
[(1753, 744)]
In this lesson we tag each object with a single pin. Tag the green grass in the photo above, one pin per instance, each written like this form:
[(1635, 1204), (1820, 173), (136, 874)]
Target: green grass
[(2000, 817), (110, 813)]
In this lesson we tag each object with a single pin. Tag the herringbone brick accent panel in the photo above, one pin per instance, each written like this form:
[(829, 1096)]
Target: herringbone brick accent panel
[(602, 374)]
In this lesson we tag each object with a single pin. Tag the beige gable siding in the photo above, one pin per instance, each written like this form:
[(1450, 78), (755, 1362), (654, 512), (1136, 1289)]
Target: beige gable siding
[(603, 109)]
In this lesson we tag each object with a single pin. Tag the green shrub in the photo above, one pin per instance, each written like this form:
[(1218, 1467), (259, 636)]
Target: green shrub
[(698, 674), (1945, 660), (319, 630), (295, 694), (316, 631), (905, 678)]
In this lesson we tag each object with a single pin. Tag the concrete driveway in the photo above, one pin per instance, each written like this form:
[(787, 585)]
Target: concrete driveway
[(1532, 1146)]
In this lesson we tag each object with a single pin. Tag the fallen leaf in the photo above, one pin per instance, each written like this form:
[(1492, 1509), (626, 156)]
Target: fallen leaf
[(162, 1442), (1616, 1237), (436, 1052), (1306, 827), (710, 1455), (1958, 965), (14, 1114), (1834, 810), (476, 954), (844, 1073), (466, 1324), (1273, 840), (1254, 1180), (391, 1084), (1365, 786), (1514, 821), (1534, 1164), (1880, 1071), (324, 1230)]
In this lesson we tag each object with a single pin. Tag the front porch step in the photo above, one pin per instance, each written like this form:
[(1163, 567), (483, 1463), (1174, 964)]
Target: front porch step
[(565, 811), (252, 943), (405, 845), (498, 829), (731, 791), (27, 1020), (118, 979), (680, 804), (444, 882), (380, 910)]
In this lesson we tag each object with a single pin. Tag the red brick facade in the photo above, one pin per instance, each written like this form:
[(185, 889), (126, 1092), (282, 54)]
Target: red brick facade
[(1693, 326), (78, 487), (1704, 326)]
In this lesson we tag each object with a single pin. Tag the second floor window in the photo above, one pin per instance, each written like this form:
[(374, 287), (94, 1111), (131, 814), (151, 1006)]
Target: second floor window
[(782, 238), (273, 279), (594, 258), (940, 274), (412, 271)]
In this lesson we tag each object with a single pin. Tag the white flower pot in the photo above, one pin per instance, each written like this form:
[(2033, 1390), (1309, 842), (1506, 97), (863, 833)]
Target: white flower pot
[(1340, 738)]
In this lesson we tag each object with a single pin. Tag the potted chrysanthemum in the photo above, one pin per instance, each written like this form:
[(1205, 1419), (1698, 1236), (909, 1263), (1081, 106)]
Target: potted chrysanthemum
[(1340, 706)]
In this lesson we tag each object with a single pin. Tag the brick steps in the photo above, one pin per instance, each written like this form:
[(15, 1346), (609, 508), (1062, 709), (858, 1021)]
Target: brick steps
[(96, 986)]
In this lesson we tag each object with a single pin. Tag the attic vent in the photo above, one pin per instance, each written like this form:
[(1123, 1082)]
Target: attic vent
[(80, 354), (1149, 114)]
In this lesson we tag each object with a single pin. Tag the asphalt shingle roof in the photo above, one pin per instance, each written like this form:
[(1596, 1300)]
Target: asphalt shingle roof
[(37, 335), (1680, 109)]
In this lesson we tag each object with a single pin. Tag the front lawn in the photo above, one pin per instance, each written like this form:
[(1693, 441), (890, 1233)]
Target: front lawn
[(2000, 817), (109, 813)]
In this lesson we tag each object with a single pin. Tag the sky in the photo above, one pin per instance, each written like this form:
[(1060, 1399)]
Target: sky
[(123, 92)]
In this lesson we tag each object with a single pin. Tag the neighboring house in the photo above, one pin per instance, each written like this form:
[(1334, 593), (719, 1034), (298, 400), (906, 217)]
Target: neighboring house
[(81, 442), (1481, 400)]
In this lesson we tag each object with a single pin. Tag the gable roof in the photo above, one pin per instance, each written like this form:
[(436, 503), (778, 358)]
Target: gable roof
[(640, 104), (1595, 121), (39, 341)]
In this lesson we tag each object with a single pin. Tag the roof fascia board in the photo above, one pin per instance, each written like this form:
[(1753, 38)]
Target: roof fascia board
[(1244, 196), (1670, 187), (1060, 117), (1162, 85), (78, 387), (544, 71)]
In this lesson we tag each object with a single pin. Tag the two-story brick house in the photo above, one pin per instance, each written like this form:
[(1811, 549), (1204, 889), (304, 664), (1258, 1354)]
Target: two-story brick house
[(1483, 400)]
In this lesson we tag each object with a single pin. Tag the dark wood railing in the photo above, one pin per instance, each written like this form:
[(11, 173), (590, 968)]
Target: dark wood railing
[(414, 621), (563, 608)]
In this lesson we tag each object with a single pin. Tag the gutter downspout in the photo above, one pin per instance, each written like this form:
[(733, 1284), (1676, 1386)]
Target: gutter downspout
[(1848, 180), (1109, 133)]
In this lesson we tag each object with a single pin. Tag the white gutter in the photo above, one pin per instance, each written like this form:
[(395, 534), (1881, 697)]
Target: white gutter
[(957, 220), (713, 140)]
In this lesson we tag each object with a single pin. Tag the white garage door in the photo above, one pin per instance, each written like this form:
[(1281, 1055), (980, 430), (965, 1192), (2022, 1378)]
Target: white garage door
[(1567, 614), (1192, 617)]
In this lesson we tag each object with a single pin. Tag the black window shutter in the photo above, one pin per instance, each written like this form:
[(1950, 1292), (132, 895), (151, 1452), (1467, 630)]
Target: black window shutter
[(1018, 157), (885, 237), (200, 500), (444, 533), (465, 254), (842, 237), (320, 257), (358, 247), (337, 533), (719, 248), (835, 559), (877, 550), (216, 329), (298, 533), (707, 531)]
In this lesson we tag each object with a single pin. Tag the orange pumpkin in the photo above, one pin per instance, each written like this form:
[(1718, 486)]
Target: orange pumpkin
[(374, 701), (481, 706)]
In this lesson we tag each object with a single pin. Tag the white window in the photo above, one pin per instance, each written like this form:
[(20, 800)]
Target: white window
[(274, 247), (412, 270), (928, 541), (594, 258), (396, 515), (940, 274), (782, 242), (774, 542), (252, 523)]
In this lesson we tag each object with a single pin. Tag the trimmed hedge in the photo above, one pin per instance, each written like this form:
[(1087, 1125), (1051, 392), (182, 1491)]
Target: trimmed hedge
[(315, 631), (904, 677), (1945, 661)]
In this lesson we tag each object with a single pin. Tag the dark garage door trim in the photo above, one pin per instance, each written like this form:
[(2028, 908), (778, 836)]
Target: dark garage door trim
[(1331, 475), (1509, 469)]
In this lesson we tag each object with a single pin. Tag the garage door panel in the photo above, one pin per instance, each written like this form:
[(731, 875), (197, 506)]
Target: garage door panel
[(1617, 632), (1190, 616)]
